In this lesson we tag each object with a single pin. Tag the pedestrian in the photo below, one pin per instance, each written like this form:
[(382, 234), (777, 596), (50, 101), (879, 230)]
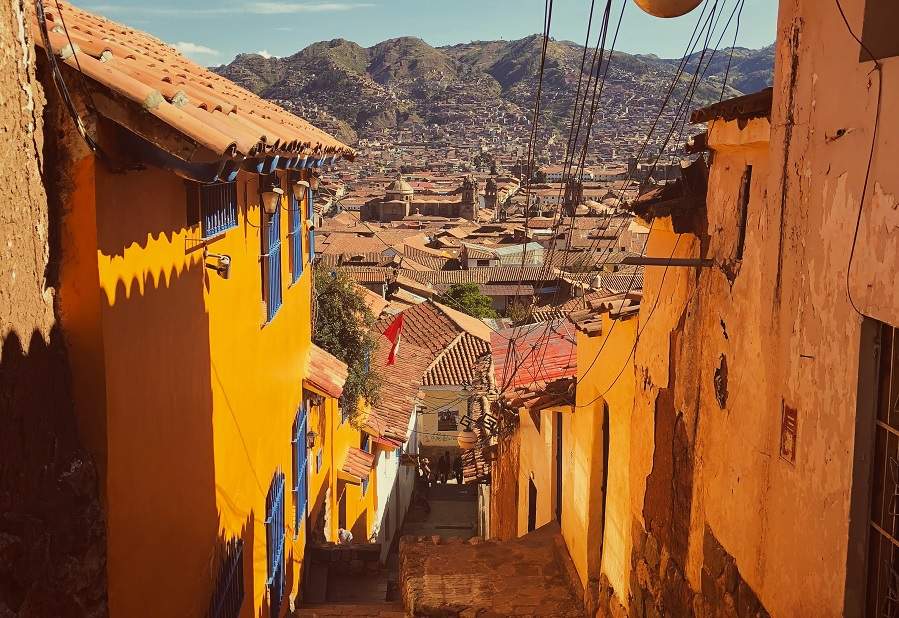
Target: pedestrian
[(344, 537), (457, 469), (425, 468), (443, 467)]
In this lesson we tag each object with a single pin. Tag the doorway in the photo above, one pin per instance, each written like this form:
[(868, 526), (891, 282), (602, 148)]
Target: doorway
[(559, 458), (604, 483), (532, 506)]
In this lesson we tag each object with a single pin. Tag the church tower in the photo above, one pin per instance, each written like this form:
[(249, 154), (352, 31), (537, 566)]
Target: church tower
[(470, 199)]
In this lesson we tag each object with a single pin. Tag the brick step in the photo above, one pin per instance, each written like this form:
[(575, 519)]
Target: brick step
[(373, 610)]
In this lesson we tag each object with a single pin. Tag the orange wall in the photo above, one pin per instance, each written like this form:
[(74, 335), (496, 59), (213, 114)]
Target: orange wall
[(200, 395)]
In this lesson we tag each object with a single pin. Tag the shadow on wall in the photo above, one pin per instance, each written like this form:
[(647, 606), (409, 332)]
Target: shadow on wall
[(52, 533), (161, 474)]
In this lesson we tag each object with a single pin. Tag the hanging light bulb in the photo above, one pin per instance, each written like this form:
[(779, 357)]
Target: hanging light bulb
[(667, 8)]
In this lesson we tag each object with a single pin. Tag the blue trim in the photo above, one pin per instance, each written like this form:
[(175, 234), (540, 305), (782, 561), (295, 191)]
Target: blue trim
[(272, 257), (300, 488), (218, 207), (274, 542), (310, 215), (296, 238)]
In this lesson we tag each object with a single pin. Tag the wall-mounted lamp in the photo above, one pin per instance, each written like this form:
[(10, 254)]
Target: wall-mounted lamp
[(310, 439), (467, 439), (271, 199), (222, 265), (299, 189)]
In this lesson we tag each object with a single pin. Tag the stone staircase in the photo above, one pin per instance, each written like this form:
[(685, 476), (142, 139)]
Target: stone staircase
[(328, 610)]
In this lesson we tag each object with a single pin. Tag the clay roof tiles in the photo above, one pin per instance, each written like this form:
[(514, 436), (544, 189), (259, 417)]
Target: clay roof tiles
[(325, 371), (539, 353), (358, 463), (208, 109), (389, 417)]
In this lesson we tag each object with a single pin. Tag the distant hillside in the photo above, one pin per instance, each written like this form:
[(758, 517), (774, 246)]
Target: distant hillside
[(405, 81)]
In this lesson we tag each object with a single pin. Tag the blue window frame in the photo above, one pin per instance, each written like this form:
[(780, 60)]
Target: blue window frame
[(310, 215), (296, 238), (227, 598), (274, 542), (365, 443), (218, 207), (271, 262), (300, 490), (364, 486), (318, 461)]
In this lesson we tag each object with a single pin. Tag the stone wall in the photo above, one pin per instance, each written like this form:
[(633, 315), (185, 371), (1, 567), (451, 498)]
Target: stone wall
[(52, 533)]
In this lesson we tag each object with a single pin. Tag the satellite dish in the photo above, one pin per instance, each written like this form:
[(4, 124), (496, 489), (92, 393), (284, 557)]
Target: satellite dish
[(668, 8)]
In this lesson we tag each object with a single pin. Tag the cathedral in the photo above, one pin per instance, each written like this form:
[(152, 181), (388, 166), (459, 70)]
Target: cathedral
[(400, 201)]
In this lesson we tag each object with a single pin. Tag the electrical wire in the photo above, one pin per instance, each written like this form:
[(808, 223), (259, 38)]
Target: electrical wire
[(878, 68)]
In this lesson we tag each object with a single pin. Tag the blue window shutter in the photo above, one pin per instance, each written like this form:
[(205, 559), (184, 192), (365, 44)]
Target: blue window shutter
[(296, 238), (274, 542), (300, 486), (310, 215), (272, 257)]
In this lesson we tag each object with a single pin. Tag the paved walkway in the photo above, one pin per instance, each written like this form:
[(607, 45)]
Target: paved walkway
[(454, 513)]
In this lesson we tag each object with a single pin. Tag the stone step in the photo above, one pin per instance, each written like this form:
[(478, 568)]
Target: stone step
[(329, 610)]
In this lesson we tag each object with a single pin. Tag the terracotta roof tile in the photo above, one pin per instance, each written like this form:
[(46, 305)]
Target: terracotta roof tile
[(358, 463), (325, 371), (400, 384), (205, 107)]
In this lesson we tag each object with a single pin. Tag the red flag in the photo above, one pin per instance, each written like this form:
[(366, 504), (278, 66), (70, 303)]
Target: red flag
[(393, 334)]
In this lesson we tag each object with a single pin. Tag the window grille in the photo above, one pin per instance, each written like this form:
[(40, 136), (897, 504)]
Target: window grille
[(364, 486), (883, 543), (218, 207), (227, 598), (310, 215), (274, 542), (271, 260), (296, 238), (300, 491)]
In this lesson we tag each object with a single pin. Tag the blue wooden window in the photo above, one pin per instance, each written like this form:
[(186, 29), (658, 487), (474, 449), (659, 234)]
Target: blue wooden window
[(227, 598), (271, 262), (296, 238), (364, 486), (300, 491), (365, 443), (310, 215), (318, 461), (218, 207), (274, 542)]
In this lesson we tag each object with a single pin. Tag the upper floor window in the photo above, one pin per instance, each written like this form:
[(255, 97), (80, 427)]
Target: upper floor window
[(213, 206), (446, 420), (296, 238), (310, 216), (271, 262)]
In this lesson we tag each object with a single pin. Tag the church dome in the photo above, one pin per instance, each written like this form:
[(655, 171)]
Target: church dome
[(400, 186)]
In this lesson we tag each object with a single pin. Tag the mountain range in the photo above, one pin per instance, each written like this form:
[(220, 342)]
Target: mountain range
[(404, 82)]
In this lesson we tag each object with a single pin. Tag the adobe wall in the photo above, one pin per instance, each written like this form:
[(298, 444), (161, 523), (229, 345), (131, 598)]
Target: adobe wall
[(52, 536)]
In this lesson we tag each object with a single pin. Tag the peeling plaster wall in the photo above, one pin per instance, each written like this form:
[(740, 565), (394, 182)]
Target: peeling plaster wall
[(730, 347)]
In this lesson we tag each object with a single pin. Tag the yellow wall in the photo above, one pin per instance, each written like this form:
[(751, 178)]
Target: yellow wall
[(536, 459), (195, 396), (595, 537), (359, 508)]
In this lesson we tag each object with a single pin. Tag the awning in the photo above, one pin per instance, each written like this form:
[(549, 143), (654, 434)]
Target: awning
[(386, 441), (325, 372), (356, 466)]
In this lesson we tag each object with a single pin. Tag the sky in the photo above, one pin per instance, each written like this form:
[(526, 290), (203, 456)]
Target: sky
[(214, 32)]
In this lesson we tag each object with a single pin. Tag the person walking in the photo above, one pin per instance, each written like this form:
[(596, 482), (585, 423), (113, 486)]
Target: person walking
[(443, 467), (458, 469)]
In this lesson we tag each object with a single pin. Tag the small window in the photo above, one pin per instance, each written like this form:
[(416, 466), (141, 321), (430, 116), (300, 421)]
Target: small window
[(274, 542), (365, 442), (227, 598), (318, 461), (364, 486), (215, 206), (483, 262), (446, 420)]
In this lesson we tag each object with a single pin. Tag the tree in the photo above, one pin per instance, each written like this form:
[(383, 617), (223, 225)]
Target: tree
[(343, 327), (466, 297)]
